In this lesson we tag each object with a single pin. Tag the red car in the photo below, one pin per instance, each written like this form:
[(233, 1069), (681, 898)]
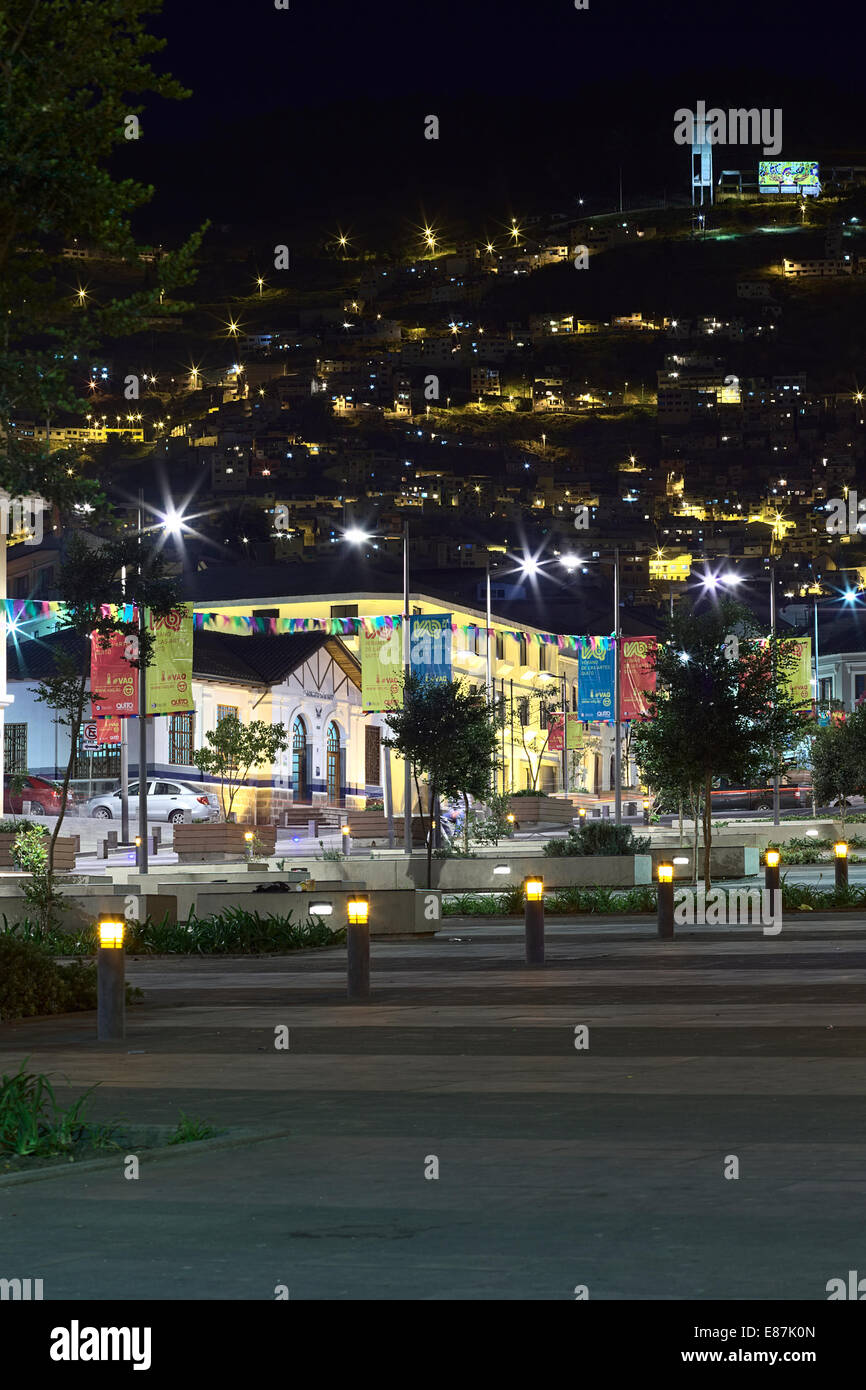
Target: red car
[(43, 796)]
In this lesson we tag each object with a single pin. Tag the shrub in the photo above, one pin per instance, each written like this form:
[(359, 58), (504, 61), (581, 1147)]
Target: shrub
[(598, 837), (527, 791), (10, 825), (33, 983), (30, 853)]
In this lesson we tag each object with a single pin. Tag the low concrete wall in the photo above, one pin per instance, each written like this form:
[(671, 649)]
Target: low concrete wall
[(393, 912), (726, 861)]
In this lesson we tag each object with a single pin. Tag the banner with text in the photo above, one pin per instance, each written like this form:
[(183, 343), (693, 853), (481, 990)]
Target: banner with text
[(113, 681), (636, 671), (381, 669), (595, 678), (430, 646), (169, 676), (798, 680)]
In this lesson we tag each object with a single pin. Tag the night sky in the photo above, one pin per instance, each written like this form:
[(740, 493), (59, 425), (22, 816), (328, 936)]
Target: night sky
[(317, 112)]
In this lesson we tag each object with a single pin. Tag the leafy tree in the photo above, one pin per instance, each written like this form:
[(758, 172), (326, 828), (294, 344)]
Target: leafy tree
[(717, 711), (839, 760), (72, 76), (235, 749), (448, 735), (530, 717), (89, 579)]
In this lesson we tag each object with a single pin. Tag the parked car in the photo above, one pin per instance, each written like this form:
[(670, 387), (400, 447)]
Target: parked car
[(165, 801), (44, 797)]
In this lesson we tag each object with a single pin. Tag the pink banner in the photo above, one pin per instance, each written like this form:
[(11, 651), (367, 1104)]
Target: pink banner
[(637, 675), (113, 681)]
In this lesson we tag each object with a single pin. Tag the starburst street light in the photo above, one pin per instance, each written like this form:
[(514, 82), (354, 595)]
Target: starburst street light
[(81, 295), (232, 328), (260, 282)]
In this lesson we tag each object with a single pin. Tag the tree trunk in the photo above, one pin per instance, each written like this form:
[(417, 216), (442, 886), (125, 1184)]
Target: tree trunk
[(465, 824), (432, 793), (681, 822), (74, 730), (708, 828), (696, 812)]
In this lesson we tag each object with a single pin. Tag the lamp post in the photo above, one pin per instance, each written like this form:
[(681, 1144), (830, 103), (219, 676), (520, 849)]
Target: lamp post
[(666, 901), (840, 851), (110, 981), (533, 919), (358, 948), (772, 860)]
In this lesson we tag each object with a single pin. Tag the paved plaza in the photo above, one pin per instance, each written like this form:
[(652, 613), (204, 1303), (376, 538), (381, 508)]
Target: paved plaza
[(558, 1165)]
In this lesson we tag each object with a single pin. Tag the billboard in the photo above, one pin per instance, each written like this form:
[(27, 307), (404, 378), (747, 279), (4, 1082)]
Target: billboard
[(788, 176), (169, 679)]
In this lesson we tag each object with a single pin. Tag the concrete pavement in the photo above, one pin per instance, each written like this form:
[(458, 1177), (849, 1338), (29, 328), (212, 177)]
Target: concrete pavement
[(557, 1166)]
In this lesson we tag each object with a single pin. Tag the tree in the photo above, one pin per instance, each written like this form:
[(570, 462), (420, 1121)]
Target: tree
[(235, 749), (448, 735), (839, 760), (531, 715), (720, 709), (70, 74), (91, 588)]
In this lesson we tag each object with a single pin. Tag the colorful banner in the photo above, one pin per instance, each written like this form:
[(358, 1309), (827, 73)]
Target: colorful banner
[(573, 731), (381, 669), (113, 681), (430, 646), (556, 741), (798, 680), (637, 674), (169, 675), (595, 675), (107, 730)]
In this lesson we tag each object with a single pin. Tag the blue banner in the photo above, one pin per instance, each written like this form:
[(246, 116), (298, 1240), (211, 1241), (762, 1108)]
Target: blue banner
[(430, 646), (595, 679)]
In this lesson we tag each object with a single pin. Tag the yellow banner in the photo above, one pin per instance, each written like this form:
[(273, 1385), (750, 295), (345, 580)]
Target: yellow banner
[(381, 669), (798, 679), (169, 677)]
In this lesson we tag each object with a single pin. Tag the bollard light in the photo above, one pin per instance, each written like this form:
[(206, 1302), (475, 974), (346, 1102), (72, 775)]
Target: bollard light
[(110, 980), (773, 857), (138, 842), (666, 873), (533, 919), (772, 860), (581, 815), (840, 849), (666, 901), (359, 911), (510, 818), (249, 836), (110, 931)]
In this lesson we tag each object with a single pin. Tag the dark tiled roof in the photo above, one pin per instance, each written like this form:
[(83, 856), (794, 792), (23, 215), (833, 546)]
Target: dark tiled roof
[(256, 660)]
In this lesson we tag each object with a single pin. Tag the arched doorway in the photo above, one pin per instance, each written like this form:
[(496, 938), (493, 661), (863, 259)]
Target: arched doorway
[(332, 763), (299, 760)]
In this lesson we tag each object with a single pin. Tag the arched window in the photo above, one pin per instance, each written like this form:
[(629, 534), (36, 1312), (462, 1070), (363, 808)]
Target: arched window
[(332, 750), (299, 760)]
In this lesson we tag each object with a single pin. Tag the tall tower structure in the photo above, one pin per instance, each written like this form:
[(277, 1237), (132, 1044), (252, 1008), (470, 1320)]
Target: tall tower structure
[(702, 162)]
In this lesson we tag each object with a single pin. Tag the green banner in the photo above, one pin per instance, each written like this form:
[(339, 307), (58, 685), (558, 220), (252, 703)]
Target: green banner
[(573, 731), (169, 676), (381, 669)]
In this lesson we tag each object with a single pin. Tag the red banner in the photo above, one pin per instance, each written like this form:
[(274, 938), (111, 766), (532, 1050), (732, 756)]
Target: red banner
[(108, 730), (113, 681), (556, 742), (636, 673)]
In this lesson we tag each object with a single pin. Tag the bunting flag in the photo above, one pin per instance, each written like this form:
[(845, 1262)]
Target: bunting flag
[(637, 674), (247, 624)]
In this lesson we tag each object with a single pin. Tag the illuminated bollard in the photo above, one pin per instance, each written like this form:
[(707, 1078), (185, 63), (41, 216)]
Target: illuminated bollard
[(137, 850), (346, 834), (840, 849), (646, 811), (110, 981), (358, 948), (581, 815), (533, 891), (771, 871), (666, 902)]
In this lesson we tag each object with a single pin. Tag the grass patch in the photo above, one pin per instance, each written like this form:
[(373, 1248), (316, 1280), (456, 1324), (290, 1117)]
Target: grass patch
[(557, 902), (235, 931)]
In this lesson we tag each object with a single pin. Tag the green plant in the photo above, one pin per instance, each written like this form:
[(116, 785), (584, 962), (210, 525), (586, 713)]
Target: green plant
[(32, 1122), (189, 1131), (528, 791), (234, 749), (30, 852), (333, 855), (598, 837), (10, 825)]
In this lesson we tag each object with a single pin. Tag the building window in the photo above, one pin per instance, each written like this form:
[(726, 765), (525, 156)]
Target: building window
[(500, 647), (180, 739), (372, 755), (332, 761), (523, 710), (344, 610), (15, 748), (481, 641), (827, 688), (224, 711), (96, 764), (522, 653), (859, 687), (299, 760)]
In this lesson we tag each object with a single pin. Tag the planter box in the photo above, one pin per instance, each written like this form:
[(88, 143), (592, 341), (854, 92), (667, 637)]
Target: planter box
[(373, 825), (64, 851), (540, 810), (219, 841)]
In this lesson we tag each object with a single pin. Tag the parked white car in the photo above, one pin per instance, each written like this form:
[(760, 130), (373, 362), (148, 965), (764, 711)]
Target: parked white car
[(165, 801)]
